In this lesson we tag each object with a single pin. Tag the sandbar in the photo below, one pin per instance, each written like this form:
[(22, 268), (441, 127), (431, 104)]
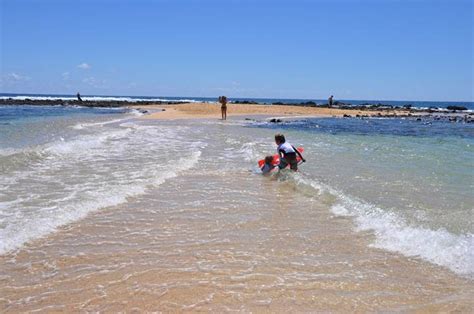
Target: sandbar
[(212, 110)]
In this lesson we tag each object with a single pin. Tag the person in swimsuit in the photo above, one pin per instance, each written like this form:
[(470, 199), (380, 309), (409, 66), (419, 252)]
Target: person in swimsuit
[(287, 153), (223, 102)]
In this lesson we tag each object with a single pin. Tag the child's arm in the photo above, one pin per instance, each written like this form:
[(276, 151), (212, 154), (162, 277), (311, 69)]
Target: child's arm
[(299, 154)]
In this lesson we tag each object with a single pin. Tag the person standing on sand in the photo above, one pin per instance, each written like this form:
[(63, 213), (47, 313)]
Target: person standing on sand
[(330, 100), (223, 102), (79, 96)]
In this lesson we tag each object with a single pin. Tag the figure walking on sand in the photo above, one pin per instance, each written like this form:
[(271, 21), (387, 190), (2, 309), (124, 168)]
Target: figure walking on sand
[(223, 102)]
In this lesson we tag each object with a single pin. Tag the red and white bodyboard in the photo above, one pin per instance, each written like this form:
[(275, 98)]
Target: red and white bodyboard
[(276, 158)]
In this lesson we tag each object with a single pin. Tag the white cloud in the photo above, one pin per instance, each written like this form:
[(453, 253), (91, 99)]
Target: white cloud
[(65, 76), (17, 77), (84, 66), (96, 83), (89, 80)]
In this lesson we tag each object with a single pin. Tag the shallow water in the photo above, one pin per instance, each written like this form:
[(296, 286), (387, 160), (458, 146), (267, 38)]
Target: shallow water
[(62, 169), (411, 183), (173, 215)]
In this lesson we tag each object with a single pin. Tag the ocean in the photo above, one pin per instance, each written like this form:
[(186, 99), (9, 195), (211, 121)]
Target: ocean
[(102, 199), (400, 103)]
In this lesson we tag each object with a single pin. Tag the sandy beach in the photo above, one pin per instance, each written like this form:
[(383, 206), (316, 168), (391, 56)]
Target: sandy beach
[(212, 110)]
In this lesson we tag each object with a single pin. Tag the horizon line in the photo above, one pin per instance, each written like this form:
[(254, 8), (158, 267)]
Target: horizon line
[(184, 96)]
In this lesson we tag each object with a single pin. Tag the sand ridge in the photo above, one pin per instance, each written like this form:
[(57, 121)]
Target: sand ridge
[(212, 110)]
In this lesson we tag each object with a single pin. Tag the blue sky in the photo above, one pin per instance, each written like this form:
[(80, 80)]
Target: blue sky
[(372, 49)]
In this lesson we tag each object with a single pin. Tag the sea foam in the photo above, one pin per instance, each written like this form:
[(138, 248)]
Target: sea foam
[(393, 233), (70, 178)]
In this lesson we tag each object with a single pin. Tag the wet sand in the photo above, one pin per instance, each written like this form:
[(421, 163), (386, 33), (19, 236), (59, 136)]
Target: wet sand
[(158, 255), (201, 242)]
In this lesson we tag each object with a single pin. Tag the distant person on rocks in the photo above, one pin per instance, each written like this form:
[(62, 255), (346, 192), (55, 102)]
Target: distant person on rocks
[(330, 102), (223, 102), (79, 97)]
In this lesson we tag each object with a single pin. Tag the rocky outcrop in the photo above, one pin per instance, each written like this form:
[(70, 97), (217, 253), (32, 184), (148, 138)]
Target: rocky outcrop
[(245, 102), (456, 108), (275, 120), (84, 103)]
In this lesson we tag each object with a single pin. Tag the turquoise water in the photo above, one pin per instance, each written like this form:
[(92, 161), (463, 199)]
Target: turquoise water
[(410, 182), (18, 124), (57, 164), (424, 171)]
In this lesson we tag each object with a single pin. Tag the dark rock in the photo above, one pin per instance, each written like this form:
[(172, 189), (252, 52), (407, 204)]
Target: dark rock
[(245, 102), (456, 108), (84, 103)]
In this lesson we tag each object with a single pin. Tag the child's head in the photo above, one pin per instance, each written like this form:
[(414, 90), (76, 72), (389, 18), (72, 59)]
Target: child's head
[(269, 159), (279, 139)]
